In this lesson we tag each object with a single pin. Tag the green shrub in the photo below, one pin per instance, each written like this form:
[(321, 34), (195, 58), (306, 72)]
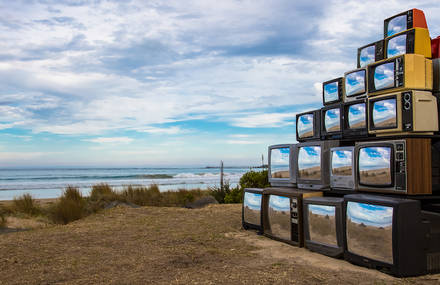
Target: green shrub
[(26, 204), (70, 207), (220, 193), (251, 179), (104, 192), (181, 197)]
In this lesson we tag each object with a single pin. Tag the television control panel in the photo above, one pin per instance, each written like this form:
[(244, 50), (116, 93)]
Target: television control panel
[(294, 218), (400, 165), (407, 111), (400, 74)]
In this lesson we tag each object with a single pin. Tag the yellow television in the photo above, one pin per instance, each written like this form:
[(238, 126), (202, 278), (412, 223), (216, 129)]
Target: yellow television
[(403, 72), (410, 112), (414, 41)]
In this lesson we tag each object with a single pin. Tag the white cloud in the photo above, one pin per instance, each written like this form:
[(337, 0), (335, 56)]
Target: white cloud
[(265, 120), (111, 140)]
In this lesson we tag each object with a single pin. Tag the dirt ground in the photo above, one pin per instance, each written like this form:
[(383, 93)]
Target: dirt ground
[(170, 246)]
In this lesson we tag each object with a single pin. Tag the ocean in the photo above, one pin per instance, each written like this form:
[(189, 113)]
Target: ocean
[(50, 182)]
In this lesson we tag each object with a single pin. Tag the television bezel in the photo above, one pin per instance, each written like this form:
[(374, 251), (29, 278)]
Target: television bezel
[(359, 95), (409, 22), (337, 134), (340, 81), (345, 178), (407, 240), (378, 46), (348, 132), (245, 224), (316, 125), (371, 101), (283, 182), (372, 67), (359, 146), (326, 249), (324, 182), (411, 32)]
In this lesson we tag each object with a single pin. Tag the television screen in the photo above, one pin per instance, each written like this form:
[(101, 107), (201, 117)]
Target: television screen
[(369, 231), (384, 113), (331, 91), (355, 83), (396, 46), (279, 217), (332, 120), (357, 116), (322, 224), (384, 76), (252, 208), (342, 162), (397, 25), (279, 162), (375, 166), (367, 55), (305, 126), (309, 162)]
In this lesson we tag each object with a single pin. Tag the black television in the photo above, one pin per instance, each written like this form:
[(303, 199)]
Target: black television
[(313, 164), (283, 215), (355, 119), (281, 170), (343, 168), (332, 91), (308, 126), (332, 121), (355, 84), (389, 234), (251, 209), (370, 53), (324, 222)]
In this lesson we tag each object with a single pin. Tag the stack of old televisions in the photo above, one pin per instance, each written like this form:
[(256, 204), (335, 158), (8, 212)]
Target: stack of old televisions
[(377, 132)]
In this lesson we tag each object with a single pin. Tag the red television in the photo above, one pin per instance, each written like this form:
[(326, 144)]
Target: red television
[(435, 47), (413, 18)]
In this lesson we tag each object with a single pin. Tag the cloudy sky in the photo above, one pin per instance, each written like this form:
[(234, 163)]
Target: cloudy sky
[(163, 83)]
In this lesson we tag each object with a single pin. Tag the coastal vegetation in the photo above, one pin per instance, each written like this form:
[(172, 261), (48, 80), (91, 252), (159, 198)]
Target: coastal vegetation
[(72, 205)]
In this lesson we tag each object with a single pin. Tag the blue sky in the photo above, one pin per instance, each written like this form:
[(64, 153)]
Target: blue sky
[(163, 83)]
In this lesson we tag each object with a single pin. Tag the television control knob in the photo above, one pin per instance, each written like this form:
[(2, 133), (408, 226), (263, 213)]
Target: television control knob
[(407, 106)]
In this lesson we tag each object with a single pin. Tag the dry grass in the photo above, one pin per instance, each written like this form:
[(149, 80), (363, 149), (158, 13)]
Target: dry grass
[(161, 245), (26, 204)]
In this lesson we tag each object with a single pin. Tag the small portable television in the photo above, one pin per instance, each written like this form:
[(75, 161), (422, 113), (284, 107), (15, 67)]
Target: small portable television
[(355, 122), (332, 91), (308, 126), (391, 234), (415, 41), (370, 53), (403, 113), (332, 121), (312, 164), (342, 168), (251, 209), (403, 72), (401, 166), (281, 165), (324, 223), (413, 18), (355, 84), (282, 214)]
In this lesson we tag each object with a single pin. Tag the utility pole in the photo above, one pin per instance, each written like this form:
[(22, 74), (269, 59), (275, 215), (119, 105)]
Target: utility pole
[(221, 175), (262, 161)]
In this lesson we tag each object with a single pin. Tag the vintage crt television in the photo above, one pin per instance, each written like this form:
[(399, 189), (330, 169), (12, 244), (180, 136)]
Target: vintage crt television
[(282, 214), (436, 75), (435, 47), (409, 112), (332, 121), (355, 84), (312, 164), (413, 18), (403, 72), (251, 209), (281, 165), (400, 166), (355, 122), (324, 224), (370, 53), (332, 91), (416, 41), (308, 126), (391, 234), (342, 168)]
